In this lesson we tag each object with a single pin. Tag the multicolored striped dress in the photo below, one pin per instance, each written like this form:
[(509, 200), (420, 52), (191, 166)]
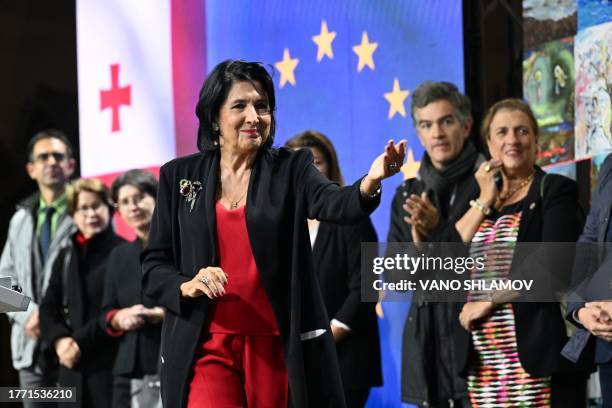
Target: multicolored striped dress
[(496, 377)]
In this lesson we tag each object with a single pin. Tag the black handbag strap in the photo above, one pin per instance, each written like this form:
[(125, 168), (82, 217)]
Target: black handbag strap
[(65, 276)]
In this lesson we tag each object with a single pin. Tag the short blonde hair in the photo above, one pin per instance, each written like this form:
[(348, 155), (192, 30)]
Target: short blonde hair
[(91, 185), (511, 104)]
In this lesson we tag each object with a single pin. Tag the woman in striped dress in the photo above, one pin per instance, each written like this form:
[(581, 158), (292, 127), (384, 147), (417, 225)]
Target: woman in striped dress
[(513, 357)]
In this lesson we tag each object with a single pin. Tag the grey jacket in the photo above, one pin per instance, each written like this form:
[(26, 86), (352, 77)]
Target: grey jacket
[(20, 259)]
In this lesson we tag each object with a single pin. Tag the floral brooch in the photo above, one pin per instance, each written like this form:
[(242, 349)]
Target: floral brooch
[(189, 190)]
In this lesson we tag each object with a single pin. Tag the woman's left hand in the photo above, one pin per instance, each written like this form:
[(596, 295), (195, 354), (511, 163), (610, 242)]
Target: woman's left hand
[(389, 162), (474, 311)]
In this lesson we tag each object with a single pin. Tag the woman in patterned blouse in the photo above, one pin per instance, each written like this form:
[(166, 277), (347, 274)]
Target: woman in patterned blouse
[(512, 353)]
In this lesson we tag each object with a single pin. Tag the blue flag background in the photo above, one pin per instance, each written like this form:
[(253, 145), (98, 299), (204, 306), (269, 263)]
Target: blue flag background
[(416, 40)]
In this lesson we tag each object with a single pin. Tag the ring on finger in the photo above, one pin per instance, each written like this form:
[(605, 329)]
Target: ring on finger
[(393, 166), (487, 168), (204, 280)]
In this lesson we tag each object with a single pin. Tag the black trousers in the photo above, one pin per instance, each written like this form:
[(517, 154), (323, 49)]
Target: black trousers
[(356, 398), (605, 380)]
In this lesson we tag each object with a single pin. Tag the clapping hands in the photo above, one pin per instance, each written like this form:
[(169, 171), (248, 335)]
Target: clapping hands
[(422, 215)]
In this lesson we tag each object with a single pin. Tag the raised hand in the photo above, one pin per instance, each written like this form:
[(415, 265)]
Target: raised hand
[(485, 177), (389, 162)]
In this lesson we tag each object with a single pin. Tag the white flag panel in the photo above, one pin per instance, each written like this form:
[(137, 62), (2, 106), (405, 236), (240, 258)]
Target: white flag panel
[(126, 112)]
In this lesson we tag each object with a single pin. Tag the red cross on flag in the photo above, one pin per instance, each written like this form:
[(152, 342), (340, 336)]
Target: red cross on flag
[(115, 97), (126, 112)]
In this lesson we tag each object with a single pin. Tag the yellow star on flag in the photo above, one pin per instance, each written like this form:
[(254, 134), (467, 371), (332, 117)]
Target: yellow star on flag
[(411, 167), (365, 52), (396, 99), (286, 68), (324, 42)]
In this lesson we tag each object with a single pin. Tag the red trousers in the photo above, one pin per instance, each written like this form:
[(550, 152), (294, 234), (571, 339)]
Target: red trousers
[(239, 371)]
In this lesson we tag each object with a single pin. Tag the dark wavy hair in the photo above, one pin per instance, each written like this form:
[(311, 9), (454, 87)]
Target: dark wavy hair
[(429, 92), (214, 93)]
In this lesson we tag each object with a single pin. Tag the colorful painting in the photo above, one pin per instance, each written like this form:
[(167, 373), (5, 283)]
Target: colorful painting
[(548, 81), (555, 144), (593, 126), (564, 169), (596, 162), (547, 20), (593, 12)]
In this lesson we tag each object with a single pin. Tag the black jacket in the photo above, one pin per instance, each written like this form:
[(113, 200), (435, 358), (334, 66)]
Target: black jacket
[(138, 352), (592, 271), (284, 190), (429, 356), (78, 280), (550, 213), (337, 262)]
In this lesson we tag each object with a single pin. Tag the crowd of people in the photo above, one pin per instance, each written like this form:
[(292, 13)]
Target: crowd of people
[(243, 286)]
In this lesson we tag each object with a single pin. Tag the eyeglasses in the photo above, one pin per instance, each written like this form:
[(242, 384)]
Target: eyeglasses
[(133, 200), (95, 207), (43, 157)]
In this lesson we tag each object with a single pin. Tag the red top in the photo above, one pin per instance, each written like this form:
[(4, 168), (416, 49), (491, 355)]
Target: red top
[(245, 308)]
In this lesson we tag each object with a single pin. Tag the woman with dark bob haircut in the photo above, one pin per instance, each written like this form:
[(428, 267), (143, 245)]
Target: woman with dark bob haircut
[(128, 315), (229, 256)]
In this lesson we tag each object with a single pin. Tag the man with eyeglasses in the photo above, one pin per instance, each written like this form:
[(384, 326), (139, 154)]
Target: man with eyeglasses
[(37, 230)]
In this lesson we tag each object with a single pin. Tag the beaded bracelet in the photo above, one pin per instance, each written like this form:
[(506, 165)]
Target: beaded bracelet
[(480, 206)]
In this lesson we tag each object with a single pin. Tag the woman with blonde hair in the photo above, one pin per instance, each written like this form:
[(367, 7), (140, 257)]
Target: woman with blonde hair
[(71, 309)]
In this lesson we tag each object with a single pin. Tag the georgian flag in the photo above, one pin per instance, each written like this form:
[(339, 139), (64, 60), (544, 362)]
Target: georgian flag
[(126, 109)]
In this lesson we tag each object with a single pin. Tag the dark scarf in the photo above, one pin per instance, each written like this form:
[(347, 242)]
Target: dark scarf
[(439, 183)]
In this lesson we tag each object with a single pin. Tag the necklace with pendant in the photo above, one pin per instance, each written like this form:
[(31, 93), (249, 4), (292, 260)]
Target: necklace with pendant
[(235, 204)]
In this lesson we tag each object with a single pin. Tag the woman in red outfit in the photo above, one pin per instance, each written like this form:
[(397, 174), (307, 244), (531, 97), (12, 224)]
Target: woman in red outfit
[(229, 256)]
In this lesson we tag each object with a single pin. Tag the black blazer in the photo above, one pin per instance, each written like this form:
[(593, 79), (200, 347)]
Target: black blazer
[(337, 262), (138, 352), (550, 213), (84, 271), (284, 190)]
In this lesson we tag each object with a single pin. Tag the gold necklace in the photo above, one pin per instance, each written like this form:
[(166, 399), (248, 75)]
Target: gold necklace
[(235, 204), (512, 191)]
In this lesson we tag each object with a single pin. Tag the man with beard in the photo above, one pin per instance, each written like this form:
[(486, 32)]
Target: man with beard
[(426, 208), (37, 231)]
